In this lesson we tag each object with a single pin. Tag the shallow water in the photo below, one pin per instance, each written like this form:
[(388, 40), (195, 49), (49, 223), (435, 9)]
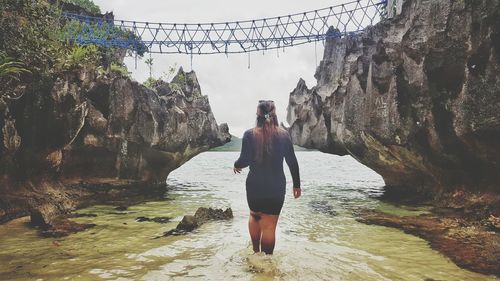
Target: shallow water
[(317, 235)]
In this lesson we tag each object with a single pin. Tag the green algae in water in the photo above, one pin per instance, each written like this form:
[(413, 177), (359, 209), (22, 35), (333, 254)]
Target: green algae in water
[(402, 210)]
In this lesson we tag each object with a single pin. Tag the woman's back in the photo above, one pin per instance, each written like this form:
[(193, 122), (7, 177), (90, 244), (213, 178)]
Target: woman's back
[(266, 177)]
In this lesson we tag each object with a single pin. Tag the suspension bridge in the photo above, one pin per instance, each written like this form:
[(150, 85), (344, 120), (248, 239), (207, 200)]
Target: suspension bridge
[(228, 37)]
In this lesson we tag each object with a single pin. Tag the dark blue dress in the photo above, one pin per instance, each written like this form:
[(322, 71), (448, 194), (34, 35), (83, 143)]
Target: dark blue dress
[(265, 183)]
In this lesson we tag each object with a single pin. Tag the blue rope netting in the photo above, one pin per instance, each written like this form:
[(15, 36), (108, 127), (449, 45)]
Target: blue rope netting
[(228, 37)]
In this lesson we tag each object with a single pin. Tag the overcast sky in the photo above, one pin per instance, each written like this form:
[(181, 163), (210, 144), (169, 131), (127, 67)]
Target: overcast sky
[(233, 89)]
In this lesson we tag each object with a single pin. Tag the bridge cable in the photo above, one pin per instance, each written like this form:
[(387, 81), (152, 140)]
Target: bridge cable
[(227, 37)]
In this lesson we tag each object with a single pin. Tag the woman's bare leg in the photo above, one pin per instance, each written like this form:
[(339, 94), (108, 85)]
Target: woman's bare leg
[(254, 229), (268, 226)]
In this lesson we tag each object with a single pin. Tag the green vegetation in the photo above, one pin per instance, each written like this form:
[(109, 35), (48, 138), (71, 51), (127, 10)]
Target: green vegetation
[(179, 79), (175, 87), (166, 76), (120, 69), (149, 62), (79, 56), (87, 5), (36, 39), (11, 69), (10, 73), (150, 83), (34, 34), (28, 33)]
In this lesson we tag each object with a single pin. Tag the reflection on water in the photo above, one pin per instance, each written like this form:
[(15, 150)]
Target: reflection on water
[(317, 236)]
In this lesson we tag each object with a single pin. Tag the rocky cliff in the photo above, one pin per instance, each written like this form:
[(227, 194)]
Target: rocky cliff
[(415, 98), (93, 135)]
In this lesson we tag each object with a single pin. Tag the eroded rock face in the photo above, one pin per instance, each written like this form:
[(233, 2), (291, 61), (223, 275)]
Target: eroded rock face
[(91, 128), (143, 135), (415, 98)]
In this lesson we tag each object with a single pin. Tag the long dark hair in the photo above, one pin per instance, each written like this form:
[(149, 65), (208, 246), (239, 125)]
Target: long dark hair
[(266, 128)]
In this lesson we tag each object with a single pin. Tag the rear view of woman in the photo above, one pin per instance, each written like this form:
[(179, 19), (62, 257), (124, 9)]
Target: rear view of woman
[(263, 149)]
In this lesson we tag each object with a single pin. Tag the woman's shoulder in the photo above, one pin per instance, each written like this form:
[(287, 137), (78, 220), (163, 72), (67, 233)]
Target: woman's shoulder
[(280, 130), (248, 133), (283, 132)]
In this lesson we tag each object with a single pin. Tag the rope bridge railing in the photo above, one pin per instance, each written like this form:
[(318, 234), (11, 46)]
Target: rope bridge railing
[(227, 37)]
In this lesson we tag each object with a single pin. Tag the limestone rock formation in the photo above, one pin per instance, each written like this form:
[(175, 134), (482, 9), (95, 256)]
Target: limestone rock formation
[(415, 98), (101, 130)]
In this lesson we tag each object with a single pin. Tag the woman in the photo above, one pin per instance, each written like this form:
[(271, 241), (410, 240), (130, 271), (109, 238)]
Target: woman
[(263, 149)]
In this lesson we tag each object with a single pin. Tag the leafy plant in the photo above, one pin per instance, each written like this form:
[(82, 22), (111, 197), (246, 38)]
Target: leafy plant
[(119, 69), (180, 79), (175, 87), (80, 56), (149, 62), (9, 68), (10, 73), (150, 83), (26, 29), (167, 75)]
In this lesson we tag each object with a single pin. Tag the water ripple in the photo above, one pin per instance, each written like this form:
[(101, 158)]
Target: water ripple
[(317, 237)]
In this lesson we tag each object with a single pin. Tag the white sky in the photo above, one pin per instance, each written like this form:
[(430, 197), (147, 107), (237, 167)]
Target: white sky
[(233, 89)]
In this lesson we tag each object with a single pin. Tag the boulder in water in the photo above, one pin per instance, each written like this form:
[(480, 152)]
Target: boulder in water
[(202, 215), (205, 214), (188, 223)]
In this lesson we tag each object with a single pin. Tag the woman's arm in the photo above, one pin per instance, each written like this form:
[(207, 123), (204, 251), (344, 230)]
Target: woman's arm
[(291, 161), (246, 152)]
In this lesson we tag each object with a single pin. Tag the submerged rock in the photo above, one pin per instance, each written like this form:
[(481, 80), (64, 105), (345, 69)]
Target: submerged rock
[(81, 215), (156, 219), (323, 207), (121, 208), (467, 242), (202, 215), (63, 227)]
